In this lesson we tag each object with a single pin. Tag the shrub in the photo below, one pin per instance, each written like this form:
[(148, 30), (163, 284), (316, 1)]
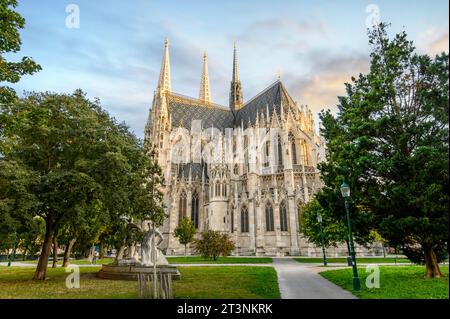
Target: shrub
[(213, 244), (185, 232)]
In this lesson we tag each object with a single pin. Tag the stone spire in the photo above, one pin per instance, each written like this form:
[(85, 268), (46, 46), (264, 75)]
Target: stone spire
[(164, 83), (205, 93), (236, 98)]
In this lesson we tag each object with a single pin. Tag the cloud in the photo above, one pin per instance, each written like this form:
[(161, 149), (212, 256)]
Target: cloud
[(434, 40), (324, 82)]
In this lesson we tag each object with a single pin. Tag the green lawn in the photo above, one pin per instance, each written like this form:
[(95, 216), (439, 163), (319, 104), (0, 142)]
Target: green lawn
[(220, 260), (196, 282), (359, 260), (177, 260), (396, 282)]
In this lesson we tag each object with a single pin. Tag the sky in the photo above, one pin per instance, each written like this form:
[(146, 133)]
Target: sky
[(115, 53)]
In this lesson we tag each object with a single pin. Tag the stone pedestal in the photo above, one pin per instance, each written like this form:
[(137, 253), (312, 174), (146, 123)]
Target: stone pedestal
[(131, 271)]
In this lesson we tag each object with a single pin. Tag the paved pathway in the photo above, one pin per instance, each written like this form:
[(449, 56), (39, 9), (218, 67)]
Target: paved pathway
[(300, 281)]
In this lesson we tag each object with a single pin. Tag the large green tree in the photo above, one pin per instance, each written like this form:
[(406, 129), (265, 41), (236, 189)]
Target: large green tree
[(69, 162), (390, 141), (10, 24)]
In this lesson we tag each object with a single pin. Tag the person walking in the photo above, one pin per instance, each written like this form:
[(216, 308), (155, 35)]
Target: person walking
[(95, 258)]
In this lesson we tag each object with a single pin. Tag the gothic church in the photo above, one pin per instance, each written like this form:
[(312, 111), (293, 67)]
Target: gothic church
[(257, 200)]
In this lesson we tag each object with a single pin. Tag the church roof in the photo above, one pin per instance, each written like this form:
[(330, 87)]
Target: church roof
[(184, 109), (271, 98)]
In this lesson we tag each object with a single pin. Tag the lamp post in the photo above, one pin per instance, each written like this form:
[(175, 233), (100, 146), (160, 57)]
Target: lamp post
[(345, 191), (319, 219)]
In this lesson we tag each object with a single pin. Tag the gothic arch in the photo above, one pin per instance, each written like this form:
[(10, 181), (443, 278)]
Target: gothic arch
[(293, 148), (244, 220), (182, 206), (279, 151), (269, 217), (283, 216), (195, 209)]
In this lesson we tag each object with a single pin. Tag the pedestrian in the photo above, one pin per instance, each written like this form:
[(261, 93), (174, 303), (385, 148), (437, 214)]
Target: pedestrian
[(95, 258)]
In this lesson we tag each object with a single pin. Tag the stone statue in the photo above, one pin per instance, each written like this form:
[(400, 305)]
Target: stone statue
[(150, 253)]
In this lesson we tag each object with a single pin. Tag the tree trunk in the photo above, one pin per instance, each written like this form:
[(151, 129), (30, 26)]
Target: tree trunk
[(41, 268), (68, 251), (119, 254), (185, 250), (433, 270), (55, 252)]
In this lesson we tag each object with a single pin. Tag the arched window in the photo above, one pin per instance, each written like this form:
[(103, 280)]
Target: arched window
[(293, 149), (266, 154), (236, 169), (279, 151), (283, 217), (244, 220), (194, 209), (269, 218), (182, 206), (232, 220), (217, 189)]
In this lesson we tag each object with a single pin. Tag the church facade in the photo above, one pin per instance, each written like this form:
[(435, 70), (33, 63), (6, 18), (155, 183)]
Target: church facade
[(245, 169)]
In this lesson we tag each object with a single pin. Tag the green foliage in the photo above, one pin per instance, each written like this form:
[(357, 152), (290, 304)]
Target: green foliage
[(390, 142), (334, 231), (416, 254), (185, 231), (10, 24), (213, 244), (73, 165)]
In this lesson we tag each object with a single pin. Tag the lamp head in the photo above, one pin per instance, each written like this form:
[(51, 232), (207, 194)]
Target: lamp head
[(345, 190)]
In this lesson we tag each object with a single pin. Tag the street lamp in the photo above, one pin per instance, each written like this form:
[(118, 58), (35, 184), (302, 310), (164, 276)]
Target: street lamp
[(319, 219), (345, 191)]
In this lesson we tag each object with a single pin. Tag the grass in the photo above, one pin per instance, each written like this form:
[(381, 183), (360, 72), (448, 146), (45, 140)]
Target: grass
[(396, 282), (359, 260), (196, 282), (176, 260), (220, 260)]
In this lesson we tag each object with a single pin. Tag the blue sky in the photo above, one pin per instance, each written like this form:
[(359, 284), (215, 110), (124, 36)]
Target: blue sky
[(116, 53)]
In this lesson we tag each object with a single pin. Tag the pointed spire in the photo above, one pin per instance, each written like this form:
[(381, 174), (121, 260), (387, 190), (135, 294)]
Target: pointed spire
[(236, 98), (164, 83), (205, 93), (235, 64)]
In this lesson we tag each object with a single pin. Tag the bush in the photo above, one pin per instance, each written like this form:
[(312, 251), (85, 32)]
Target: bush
[(213, 244)]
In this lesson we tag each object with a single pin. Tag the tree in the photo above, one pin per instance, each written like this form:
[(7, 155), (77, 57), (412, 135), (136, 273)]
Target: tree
[(73, 154), (10, 24), (185, 232), (334, 231), (213, 244), (390, 141)]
